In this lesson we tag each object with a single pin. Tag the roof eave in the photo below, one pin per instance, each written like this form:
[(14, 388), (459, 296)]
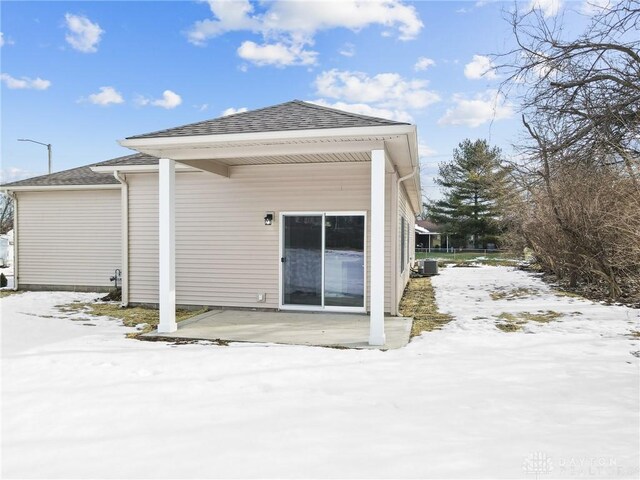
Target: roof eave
[(40, 188), (280, 135)]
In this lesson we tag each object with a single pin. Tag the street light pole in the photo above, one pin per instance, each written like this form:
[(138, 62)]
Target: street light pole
[(48, 145)]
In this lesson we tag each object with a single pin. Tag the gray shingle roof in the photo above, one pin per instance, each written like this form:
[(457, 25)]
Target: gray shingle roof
[(84, 175), (135, 159), (294, 115)]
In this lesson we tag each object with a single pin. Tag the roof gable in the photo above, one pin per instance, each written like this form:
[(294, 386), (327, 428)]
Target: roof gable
[(293, 115)]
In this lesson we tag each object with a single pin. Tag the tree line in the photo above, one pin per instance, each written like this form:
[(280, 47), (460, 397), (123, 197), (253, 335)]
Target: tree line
[(572, 196)]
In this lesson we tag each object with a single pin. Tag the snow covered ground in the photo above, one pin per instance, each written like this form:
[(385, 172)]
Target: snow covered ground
[(558, 400)]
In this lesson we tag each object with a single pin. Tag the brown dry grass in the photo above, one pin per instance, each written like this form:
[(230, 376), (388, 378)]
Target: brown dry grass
[(512, 294), (130, 316), (8, 293), (513, 322), (419, 302)]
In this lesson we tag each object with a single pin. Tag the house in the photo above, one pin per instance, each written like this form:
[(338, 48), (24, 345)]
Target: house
[(292, 207), (428, 235)]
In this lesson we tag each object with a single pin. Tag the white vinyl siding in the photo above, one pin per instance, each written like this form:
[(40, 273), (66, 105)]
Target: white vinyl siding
[(69, 238), (225, 254), (406, 240)]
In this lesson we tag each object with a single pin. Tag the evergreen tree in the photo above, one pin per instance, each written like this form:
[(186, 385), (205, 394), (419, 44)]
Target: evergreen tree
[(473, 181)]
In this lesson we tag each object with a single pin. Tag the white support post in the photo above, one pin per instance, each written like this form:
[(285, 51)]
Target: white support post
[(167, 244), (376, 297)]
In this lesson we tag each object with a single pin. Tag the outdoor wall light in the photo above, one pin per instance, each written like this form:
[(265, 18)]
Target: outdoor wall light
[(268, 218)]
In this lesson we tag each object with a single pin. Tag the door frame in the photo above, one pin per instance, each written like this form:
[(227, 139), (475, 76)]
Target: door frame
[(321, 307)]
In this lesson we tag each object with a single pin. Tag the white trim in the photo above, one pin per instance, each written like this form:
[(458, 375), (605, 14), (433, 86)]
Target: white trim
[(39, 188), (167, 246), (322, 307), (183, 140), (182, 168), (211, 166), (394, 211), (124, 247), (378, 174), (323, 246), (215, 152)]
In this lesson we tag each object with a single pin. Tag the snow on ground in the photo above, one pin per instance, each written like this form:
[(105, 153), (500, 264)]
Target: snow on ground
[(470, 401)]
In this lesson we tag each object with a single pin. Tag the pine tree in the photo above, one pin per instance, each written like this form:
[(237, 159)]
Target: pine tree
[(473, 181)]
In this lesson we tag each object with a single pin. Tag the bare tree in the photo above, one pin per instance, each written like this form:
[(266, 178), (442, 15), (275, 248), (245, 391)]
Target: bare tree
[(580, 167), (6, 213), (585, 90)]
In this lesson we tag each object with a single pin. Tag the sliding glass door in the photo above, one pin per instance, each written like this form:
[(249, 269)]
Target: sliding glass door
[(302, 260), (323, 261), (344, 260)]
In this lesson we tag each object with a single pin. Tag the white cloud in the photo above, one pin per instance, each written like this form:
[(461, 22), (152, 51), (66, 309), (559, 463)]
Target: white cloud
[(482, 108), (24, 83), (306, 18), (478, 4), (594, 7), (201, 107), (423, 63), (480, 67), (230, 16), (13, 174), (289, 26), (233, 111), (549, 8), (347, 50), (363, 109), (387, 90), (425, 151), (4, 42), (169, 100), (277, 54), (107, 96), (83, 35)]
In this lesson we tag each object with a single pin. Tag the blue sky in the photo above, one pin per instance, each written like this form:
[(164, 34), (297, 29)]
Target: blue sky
[(81, 75)]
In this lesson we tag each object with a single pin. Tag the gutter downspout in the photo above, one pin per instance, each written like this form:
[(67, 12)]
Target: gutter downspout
[(14, 197), (125, 237), (397, 295), (407, 177)]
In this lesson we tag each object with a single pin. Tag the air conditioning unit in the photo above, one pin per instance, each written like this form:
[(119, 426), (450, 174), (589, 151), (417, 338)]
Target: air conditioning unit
[(428, 267)]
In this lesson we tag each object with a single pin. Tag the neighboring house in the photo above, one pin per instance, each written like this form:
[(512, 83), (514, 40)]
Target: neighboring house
[(294, 206), (428, 234), (4, 251)]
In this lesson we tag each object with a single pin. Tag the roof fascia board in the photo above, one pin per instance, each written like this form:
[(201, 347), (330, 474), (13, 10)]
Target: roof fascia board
[(43, 188), (249, 151), (281, 135)]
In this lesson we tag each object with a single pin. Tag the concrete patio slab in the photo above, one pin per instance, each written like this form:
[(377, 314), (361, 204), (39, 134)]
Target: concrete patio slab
[(293, 328)]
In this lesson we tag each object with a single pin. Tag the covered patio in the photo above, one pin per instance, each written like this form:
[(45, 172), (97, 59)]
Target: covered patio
[(293, 134), (322, 329)]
